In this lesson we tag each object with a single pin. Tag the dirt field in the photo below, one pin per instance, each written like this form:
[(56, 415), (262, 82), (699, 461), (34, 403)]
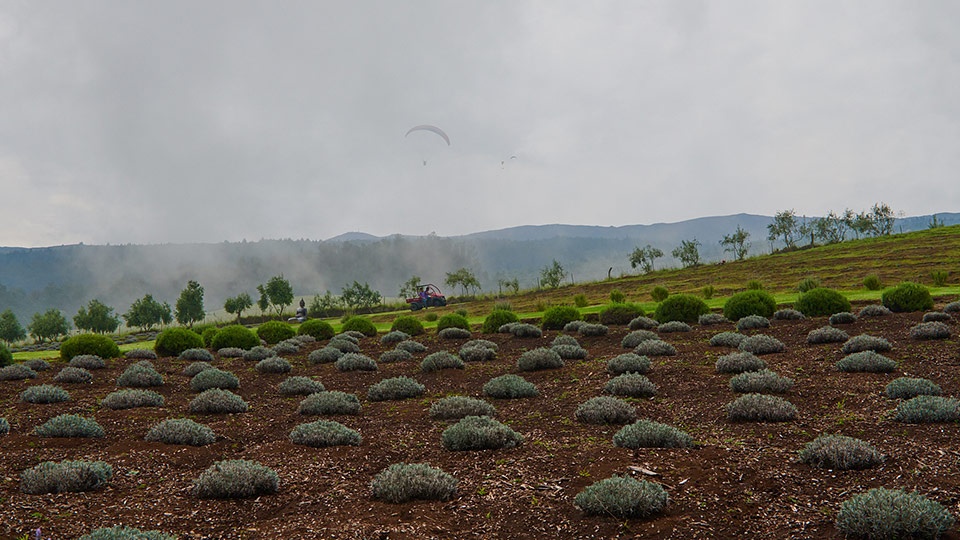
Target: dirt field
[(742, 480)]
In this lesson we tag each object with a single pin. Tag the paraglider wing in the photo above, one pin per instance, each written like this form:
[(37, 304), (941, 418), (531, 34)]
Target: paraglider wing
[(433, 129)]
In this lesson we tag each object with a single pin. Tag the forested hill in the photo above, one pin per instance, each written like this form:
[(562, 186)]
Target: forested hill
[(67, 277)]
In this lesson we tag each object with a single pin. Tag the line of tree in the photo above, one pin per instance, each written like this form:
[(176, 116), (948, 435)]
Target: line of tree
[(789, 229)]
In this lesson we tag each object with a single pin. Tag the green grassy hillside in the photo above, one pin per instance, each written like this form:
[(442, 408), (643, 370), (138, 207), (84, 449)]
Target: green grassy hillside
[(902, 257)]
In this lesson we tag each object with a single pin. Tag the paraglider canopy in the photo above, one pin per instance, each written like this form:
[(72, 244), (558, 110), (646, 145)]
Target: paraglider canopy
[(430, 128)]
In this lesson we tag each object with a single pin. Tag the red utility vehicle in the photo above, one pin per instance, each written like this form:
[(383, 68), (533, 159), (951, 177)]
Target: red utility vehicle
[(427, 295)]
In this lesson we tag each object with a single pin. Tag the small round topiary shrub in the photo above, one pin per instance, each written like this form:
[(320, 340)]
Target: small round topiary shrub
[(300, 386), (631, 384), (647, 434), (217, 401), (827, 334), (236, 479), (930, 330), (937, 316), (412, 347), (681, 307), (762, 381), (37, 364), (325, 433), (16, 372), (275, 331), (196, 367), (173, 341), (593, 330), (622, 497), (762, 344), (258, 353), (821, 302), (477, 354), (234, 335), (73, 375), (69, 425), (6, 355), (181, 431), (457, 407), (324, 355), (131, 399), (140, 354), (909, 387), (441, 360), (674, 326), (208, 334), (739, 362), (330, 402), (605, 410), (140, 375), (394, 336), (453, 320), (121, 532), (230, 352), (564, 340), (496, 319), (96, 344), (628, 363), (454, 333), (874, 310), (787, 315), (87, 361), (479, 433), (840, 453), (643, 323), (44, 393), (637, 337), (865, 342), (872, 283), (620, 314), (760, 408), (402, 482), (906, 297), (525, 330), (659, 293), (65, 477), (893, 513), (922, 409), (727, 339), (570, 352), (395, 388), (752, 302), (844, 317), (396, 355), (752, 322), (573, 326), (317, 328), (510, 386), (557, 317), (199, 355), (712, 318), (539, 358), (214, 378), (655, 347), (355, 362), (407, 324), (866, 362), (274, 364)]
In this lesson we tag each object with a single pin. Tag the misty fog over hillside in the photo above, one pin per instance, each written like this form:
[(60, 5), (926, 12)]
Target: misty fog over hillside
[(67, 277)]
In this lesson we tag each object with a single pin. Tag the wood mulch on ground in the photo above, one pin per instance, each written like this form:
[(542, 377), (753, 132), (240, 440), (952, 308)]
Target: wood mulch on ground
[(743, 479)]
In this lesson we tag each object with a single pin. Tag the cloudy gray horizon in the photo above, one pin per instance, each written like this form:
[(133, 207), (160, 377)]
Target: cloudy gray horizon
[(185, 121)]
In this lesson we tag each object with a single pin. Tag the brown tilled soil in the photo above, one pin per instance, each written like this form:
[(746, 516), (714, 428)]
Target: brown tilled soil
[(742, 479)]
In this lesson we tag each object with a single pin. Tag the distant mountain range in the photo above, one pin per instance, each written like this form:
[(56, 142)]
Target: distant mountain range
[(33, 280)]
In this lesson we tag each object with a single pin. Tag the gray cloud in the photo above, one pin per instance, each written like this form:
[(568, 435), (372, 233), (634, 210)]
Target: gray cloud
[(147, 122)]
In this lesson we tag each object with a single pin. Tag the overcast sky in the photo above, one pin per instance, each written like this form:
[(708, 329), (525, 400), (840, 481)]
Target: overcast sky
[(134, 121)]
